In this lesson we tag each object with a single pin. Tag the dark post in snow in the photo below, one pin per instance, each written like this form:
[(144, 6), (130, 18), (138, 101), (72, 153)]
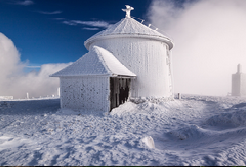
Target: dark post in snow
[(179, 95)]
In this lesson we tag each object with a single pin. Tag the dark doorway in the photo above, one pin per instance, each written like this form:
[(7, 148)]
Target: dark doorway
[(119, 91)]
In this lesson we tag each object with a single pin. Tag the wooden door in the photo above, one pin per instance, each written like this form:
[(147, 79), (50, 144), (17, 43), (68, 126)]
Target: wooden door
[(119, 91)]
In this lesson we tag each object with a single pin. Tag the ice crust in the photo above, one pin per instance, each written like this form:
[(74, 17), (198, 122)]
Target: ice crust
[(148, 141), (135, 53), (128, 26), (195, 131), (149, 60), (85, 93)]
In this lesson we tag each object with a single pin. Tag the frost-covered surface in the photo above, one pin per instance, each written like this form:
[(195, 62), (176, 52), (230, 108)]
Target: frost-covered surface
[(128, 26), (111, 63), (95, 63), (86, 93), (148, 59), (196, 130)]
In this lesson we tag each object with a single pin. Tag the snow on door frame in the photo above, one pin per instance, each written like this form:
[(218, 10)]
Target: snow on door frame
[(119, 91)]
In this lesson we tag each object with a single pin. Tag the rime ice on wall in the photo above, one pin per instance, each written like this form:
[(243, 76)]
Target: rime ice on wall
[(126, 49), (148, 59), (87, 93), (144, 51), (129, 27), (85, 84)]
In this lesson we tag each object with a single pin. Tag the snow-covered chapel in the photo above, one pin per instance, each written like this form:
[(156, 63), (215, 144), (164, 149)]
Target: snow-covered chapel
[(126, 60)]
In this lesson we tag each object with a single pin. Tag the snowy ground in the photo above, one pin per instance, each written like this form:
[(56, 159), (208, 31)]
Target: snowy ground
[(196, 130)]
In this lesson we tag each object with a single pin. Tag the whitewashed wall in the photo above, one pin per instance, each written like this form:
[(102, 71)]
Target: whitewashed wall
[(147, 59), (85, 93)]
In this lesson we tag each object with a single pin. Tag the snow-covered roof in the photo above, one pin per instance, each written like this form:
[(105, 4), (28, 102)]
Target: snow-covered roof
[(97, 62), (129, 27)]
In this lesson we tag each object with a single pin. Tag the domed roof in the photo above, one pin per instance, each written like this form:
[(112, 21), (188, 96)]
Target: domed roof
[(128, 27)]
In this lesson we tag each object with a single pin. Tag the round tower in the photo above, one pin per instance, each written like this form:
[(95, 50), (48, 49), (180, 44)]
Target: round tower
[(144, 51)]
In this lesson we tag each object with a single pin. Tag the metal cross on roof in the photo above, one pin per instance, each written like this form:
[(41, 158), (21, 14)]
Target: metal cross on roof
[(128, 10)]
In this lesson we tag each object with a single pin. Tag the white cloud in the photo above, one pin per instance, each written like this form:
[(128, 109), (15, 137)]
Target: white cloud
[(209, 38), (58, 18), (50, 13), (22, 3), (87, 28), (69, 23), (98, 24), (13, 80), (102, 24), (32, 66)]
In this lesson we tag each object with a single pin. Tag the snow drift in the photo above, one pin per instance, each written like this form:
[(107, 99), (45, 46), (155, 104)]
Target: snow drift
[(196, 130)]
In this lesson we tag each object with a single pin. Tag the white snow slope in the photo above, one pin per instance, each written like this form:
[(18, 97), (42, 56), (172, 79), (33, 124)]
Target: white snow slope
[(196, 130)]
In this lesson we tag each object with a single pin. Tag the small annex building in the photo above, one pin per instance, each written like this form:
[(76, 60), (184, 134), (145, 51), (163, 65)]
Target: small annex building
[(126, 60)]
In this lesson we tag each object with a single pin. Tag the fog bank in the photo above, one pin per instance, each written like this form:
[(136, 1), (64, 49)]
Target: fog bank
[(209, 41), (15, 82)]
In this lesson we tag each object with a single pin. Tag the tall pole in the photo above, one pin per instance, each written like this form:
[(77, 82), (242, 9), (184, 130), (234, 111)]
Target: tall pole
[(58, 92), (239, 68)]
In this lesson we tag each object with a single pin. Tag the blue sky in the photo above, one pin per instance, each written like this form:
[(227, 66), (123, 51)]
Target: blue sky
[(54, 31)]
